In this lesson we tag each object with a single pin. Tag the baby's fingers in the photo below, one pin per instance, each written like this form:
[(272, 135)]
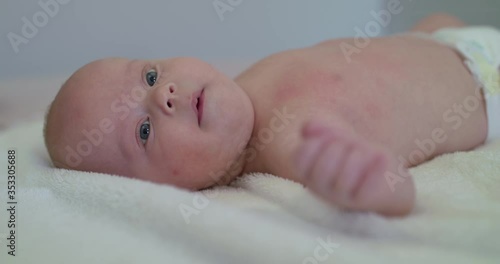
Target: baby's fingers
[(327, 168), (306, 155), (315, 128)]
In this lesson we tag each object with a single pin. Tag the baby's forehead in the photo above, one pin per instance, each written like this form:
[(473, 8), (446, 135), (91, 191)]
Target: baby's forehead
[(103, 78), (106, 70), (108, 88), (90, 92)]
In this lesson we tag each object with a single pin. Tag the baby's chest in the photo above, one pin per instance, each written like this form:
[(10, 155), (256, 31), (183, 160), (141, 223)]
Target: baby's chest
[(306, 83), (363, 98), (316, 90)]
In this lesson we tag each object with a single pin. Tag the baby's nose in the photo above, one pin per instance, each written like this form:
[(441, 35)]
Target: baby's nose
[(165, 97)]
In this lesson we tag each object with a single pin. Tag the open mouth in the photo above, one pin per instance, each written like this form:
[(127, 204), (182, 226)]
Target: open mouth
[(198, 104)]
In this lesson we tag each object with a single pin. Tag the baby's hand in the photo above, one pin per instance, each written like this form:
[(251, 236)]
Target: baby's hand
[(347, 170)]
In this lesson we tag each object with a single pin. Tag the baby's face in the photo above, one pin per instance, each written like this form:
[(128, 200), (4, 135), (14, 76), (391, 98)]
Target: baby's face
[(175, 121)]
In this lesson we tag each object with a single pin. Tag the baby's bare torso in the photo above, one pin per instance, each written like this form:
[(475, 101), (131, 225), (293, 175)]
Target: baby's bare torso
[(393, 92)]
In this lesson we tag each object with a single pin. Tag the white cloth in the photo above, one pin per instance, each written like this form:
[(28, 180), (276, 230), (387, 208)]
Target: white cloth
[(480, 47), (80, 218)]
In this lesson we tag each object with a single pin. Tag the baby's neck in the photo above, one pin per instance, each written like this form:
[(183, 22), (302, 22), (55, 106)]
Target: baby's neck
[(247, 162), (251, 155), (250, 159)]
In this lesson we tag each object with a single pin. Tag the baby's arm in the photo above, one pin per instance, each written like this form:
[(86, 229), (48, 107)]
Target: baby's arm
[(340, 167), (437, 21), (350, 172)]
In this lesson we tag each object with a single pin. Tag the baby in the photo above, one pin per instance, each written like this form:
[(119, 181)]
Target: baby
[(344, 119)]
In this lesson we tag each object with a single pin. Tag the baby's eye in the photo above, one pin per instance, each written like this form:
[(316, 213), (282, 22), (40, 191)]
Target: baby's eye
[(144, 131), (151, 77)]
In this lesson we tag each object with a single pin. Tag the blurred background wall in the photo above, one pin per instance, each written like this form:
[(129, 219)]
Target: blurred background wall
[(474, 12), (70, 33), (84, 30)]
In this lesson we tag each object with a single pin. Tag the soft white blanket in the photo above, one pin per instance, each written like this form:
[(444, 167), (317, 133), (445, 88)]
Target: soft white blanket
[(74, 217)]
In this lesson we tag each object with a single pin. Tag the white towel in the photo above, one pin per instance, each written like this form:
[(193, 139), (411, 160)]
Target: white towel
[(75, 217)]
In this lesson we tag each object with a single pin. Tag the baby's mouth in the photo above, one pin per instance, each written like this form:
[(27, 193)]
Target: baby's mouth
[(198, 101)]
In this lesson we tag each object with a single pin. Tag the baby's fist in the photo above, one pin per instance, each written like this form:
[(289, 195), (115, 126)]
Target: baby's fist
[(345, 169)]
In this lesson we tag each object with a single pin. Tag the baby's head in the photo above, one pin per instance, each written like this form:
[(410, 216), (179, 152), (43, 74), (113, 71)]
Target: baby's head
[(176, 121)]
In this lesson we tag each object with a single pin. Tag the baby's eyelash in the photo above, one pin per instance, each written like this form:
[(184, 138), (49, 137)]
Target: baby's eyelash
[(158, 73), (138, 137)]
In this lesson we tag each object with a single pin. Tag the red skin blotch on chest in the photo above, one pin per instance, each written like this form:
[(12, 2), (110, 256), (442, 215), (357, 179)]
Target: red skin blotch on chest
[(308, 84)]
